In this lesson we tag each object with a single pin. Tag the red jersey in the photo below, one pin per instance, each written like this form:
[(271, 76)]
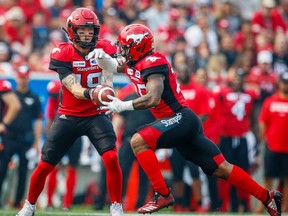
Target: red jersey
[(211, 125), (197, 98), (172, 99), (5, 86), (235, 109), (66, 60), (274, 114)]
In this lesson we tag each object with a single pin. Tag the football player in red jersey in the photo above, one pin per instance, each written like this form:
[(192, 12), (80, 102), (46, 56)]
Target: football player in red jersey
[(177, 126), (9, 107), (54, 89), (77, 114)]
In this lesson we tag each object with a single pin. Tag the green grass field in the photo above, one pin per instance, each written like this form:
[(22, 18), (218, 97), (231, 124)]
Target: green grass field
[(86, 212)]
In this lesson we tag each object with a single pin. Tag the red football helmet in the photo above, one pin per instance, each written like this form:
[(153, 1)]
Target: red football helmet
[(135, 41), (82, 17)]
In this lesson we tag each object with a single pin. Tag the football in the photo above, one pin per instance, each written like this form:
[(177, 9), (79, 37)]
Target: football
[(101, 93)]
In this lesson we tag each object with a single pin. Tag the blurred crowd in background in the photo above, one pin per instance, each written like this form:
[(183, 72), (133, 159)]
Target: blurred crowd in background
[(214, 34), (206, 40)]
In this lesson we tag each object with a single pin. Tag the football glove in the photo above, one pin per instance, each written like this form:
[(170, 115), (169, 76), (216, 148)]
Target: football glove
[(116, 105), (105, 61)]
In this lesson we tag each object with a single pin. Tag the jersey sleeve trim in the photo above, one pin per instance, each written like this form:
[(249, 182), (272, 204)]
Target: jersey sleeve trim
[(162, 69)]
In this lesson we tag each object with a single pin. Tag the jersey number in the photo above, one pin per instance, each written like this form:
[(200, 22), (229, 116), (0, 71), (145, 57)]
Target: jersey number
[(92, 79)]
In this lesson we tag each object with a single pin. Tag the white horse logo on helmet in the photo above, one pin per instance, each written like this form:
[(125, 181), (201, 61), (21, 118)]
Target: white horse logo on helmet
[(137, 38)]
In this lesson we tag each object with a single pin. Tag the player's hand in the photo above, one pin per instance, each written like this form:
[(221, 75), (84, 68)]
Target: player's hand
[(91, 93), (116, 105), (105, 61)]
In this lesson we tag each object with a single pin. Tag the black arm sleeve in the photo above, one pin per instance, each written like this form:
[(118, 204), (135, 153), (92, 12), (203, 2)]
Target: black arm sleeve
[(162, 69), (62, 68)]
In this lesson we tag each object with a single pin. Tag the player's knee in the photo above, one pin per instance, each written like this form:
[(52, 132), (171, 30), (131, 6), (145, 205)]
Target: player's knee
[(223, 170), (45, 168), (110, 158), (138, 144)]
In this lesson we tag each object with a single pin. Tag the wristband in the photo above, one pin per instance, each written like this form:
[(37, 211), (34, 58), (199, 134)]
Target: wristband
[(87, 94), (128, 105)]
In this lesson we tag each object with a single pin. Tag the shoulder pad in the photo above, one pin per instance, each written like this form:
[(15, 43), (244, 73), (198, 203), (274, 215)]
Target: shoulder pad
[(62, 51)]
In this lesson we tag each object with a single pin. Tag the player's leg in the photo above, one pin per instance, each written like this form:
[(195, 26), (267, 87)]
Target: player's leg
[(149, 163), (163, 133), (207, 155), (177, 164), (103, 137), (51, 184), (126, 159), (71, 173)]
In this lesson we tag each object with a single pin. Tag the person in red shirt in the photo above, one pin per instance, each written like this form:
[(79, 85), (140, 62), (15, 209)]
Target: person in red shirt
[(273, 120), (17, 32), (54, 88), (261, 19), (234, 121), (78, 115), (261, 78), (176, 125), (211, 130), (279, 17)]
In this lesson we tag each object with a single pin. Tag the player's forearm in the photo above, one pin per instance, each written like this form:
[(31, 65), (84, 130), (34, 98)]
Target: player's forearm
[(146, 102), (73, 86), (107, 78)]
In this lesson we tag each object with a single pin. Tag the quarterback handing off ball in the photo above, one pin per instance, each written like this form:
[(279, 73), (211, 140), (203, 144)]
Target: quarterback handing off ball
[(101, 93)]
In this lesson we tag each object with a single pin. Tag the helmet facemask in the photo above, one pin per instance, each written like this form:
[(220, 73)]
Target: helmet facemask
[(84, 44)]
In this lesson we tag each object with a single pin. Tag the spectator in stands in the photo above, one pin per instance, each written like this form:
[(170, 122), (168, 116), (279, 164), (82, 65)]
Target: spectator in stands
[(5, 58), (261, 19), (111, 25), (228, 10), (201, 31), (6, 5), (279, 16), (30, 8), (206, 7), (217, 70), (40, 31), (201, 56), (280, 54), (18, 33), (244, 38), (261, 77), (227, 48), (156, 14), (170, 31)]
